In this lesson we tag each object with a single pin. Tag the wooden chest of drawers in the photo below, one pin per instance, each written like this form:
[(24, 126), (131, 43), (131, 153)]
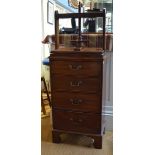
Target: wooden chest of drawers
[(78, 91)]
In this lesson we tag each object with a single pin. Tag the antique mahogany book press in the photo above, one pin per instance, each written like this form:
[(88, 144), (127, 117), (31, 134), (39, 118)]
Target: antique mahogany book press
[(78, 84)]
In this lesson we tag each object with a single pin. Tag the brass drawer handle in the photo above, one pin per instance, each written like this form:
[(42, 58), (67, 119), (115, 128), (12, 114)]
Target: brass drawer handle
[(75, 101), (75, 83), (75, 67), (76, 121)]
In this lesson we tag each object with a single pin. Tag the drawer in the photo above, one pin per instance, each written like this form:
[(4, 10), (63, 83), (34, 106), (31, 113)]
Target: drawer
[(77, 101), (78, 122), (75, 84), (76, 68)]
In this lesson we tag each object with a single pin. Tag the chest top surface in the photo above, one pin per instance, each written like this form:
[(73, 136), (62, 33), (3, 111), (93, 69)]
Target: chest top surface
[(84, 53)]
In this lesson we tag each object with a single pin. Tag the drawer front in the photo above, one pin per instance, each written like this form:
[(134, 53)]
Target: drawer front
[(76, 68), (78, 122), (74, 84), (76, 101)]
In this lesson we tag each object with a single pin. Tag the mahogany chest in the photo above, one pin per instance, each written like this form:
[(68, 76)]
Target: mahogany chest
[(78, 92)]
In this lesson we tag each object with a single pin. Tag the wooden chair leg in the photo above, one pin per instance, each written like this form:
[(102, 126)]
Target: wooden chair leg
[(43, 106), (46, 90)]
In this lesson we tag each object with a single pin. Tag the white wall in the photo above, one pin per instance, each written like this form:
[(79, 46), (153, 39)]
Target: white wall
[(48, 29), (108, 113)]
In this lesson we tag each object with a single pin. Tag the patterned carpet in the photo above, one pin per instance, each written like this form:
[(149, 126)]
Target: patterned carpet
[(77, 145)]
